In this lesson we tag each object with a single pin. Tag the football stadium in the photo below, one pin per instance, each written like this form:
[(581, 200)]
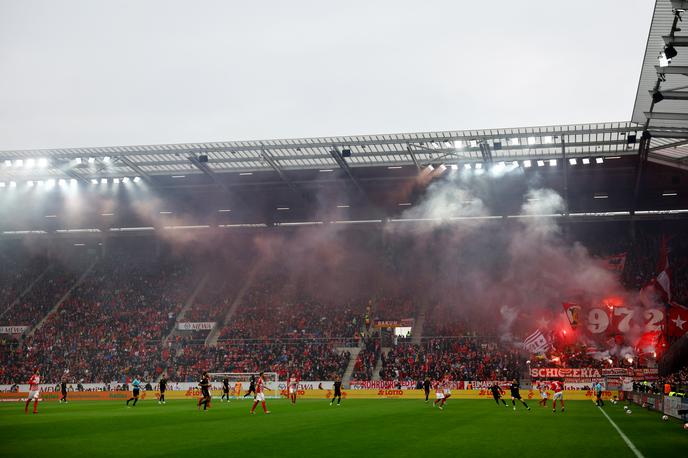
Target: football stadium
[(207, 247)]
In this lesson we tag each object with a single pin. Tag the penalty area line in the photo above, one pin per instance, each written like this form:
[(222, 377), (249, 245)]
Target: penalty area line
[(625, 438)]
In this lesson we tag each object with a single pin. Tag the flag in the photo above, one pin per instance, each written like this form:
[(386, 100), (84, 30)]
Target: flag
[(536, 342), (659, 288), (663, 279), (614, 263), (572, 313), (678, 320)]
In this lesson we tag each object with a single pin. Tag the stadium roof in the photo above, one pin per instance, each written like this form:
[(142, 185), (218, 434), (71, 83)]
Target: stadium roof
[(418, 149), (667, 118)]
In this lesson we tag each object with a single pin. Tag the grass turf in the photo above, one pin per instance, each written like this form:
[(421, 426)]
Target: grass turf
[(357, 428)]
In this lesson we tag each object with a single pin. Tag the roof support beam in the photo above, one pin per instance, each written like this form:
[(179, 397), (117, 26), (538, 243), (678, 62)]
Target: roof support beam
[(668, 145), (337, 156), (675, 41), (668, 132), (667, 116), (203, 167), (486, 152), (643, 153), (413, 156), (672, 95), (267, 157), (129, 163), (672, 70)]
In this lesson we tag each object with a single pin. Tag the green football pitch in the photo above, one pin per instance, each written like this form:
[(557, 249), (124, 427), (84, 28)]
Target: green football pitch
[(357, 428)]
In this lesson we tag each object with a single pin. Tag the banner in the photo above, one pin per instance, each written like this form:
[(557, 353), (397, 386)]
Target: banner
[(188, 326), (407, 322), (564, 372), (13, 329)]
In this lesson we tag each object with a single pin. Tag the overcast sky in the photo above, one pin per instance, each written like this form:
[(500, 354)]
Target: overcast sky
[(97, 73)]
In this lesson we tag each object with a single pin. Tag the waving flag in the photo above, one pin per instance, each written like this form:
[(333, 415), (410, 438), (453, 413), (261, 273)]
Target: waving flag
[(678, 320), (659, 287), (572, 313), (536, 343)]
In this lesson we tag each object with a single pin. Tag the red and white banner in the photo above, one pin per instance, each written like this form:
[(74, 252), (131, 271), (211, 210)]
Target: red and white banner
[(565, 372), (583, 373), (620, 320), (13, 329), (188, 326)]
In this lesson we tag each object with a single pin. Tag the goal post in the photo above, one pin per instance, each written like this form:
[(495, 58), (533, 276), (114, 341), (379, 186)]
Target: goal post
[(271, 386)]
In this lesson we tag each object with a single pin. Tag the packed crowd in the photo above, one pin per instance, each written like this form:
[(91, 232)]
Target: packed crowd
[(45, 294), (112, 324), (367, 359), (270, 311), (459, 358), (312, 359)]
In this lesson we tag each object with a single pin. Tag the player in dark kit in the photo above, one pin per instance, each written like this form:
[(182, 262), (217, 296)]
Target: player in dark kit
[(162, 384), (225, 389), (516, 394), (204, 383), (497, 394), (63, 391), (337, 391), (426, 388), (252, 386)]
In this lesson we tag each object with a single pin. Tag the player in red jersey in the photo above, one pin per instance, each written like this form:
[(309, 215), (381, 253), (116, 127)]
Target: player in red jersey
[(558, 388), (34, 392), (292, 386), (260, 395), (440, 398)]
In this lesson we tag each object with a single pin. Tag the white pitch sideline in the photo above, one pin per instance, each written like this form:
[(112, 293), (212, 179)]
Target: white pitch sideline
[(630, 444)]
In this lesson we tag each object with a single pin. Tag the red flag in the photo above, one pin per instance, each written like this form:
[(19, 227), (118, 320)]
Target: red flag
[(664, 276), (572, 313), (678, 320), (660, 285)]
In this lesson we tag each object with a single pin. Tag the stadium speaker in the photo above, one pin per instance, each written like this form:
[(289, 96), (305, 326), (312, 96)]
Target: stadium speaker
[(670, 52), (203, 158), (346, 152), (657, 97), (497, 145), (631, 139)]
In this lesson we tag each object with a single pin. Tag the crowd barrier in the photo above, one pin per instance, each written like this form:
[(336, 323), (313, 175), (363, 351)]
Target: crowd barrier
[(669, 405), (382, 393)]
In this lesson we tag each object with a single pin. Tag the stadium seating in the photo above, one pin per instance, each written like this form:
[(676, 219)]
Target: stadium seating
[(115, 323)]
